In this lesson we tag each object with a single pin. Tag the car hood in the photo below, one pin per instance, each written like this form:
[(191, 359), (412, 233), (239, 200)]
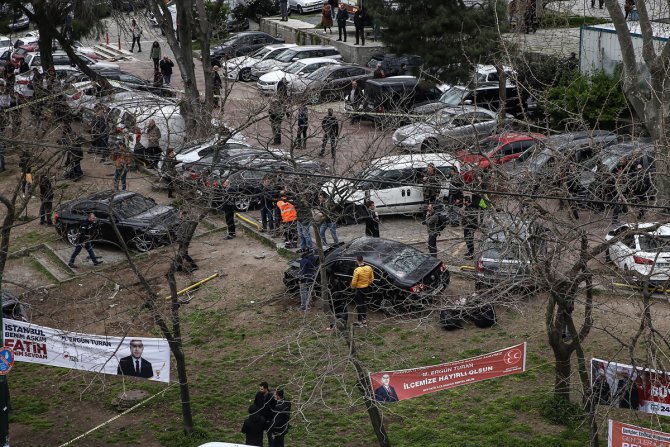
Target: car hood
[(428, 108), (158, 215), (415, 132), (241, 62), (271, 64), (275, 76)]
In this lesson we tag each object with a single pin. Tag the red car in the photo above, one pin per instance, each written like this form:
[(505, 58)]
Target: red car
[(20, 53), (499, 149)]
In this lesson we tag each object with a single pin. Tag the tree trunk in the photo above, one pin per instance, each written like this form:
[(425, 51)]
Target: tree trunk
[(563, 372)]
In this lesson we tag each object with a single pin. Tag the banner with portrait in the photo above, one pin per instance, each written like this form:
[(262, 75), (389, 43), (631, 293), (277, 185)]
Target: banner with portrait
[(626, 435), (620, 385), (392, 386), (143, 357)]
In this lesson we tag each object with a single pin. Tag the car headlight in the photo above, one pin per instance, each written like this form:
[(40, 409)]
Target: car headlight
[(157, 230)]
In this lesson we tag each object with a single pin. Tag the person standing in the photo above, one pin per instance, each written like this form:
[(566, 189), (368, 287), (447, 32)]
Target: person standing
[(333, 7), (122, 161), (170, 171), (267, 205), (280, 422), (327, 18), (228, 203), (303, 126), (158, 79), (155, 54), (166, 65), (86, 233), (304, 223), (361, 283), (5, 104), (289, 218), (432, 223), (253, 427), (355, 99), (276, 113), (432, 184), (306, 275), (328, 222), (371, 220), (216, 85), (26, 165), (153, 151), (331, 130), (136, 32), (342, 17), (185, 232), (360, 18), (379, 71), (46, 199), (470, 222), (100, 134), (282, 88), (283, 6)]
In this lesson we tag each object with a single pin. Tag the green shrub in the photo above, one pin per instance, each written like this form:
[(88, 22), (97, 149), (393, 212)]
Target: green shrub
[(561, 411)]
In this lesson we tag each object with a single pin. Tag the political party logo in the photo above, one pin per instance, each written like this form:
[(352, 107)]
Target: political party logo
[(513, 356)]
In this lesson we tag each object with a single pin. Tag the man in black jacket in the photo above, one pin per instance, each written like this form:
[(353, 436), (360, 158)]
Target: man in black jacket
[(282, 415), (359, 23), (229, 193), (46, 199), (331, 130), (267, 199), (265, 403), (185, 232), (165, 66), (342, 17), (253, 427), (86, 232), (135, 365), (432, 223)]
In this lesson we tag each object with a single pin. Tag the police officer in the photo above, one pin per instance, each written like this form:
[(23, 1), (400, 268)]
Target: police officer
[(432, 223)]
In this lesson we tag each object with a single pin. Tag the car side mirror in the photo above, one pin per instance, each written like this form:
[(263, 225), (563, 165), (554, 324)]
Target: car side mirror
[(467, 102)]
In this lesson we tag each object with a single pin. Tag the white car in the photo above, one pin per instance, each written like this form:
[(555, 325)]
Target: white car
[(290, 55), (6, 44), (268, 82), (240, 67), (643, 252), (303, 6), (82, 97), (198, 150)]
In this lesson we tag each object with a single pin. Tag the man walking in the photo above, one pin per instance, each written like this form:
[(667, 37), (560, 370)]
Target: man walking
[(342, 17), (228, 203), (136, 32), (86, 232), (46, 199), (331, 130), (276, 113), (166, 66), (303, 126), (361, 282), (328, 222)]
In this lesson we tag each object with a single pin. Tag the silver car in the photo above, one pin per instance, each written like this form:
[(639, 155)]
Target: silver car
[(446, 128)]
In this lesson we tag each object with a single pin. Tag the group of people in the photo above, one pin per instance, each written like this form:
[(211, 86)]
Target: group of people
[(330, 126), (332, 11), (270, 414)]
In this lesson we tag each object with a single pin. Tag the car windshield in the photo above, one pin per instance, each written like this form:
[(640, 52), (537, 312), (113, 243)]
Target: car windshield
[(5, 43), (261, 53), (230, 41), (295, 67), (133, 205), (655, 244), (485, 146), (404, 261), (441, 119), (319, 75), (501, 250), (287, 56), (453, 96)]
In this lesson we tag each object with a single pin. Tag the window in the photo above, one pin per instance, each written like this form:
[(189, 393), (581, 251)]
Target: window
[(480, 117), (356, 71)]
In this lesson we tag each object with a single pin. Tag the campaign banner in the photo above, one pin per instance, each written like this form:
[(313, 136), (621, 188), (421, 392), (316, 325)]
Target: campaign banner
[(148, 358), (622, 386), (625, 435), (392, 386)]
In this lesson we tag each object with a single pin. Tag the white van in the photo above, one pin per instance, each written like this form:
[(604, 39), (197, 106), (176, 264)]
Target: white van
[(394, 183)]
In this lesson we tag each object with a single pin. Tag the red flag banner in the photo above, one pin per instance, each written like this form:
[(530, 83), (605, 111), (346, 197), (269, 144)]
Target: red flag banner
[(625, 435), (392, 386)]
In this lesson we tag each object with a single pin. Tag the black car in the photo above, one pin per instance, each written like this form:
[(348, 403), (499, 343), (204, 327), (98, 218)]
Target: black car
[(405, 277), (241, 44), (508, 249), (391, 63), (333, 82), (485, 95), (142, 223), (11, 306), (130, 79)]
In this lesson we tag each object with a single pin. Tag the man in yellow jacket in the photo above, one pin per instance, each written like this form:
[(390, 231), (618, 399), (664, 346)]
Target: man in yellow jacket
[(361, 283)]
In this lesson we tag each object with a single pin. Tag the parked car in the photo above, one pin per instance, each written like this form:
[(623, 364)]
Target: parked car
[(197, 151), (391, 63), (389, 101), (329, 83), (21, 52), (641, 251), (405, 278), (303, 6), (484, 95), (239, 68), (393, 183), (30, 39), (497, 150), (447, 128), (12, 307), (143, 224), (128, 79), (268, 82), (291, 55), (240, 44), (508, 248), (19, 23), (6, 44)]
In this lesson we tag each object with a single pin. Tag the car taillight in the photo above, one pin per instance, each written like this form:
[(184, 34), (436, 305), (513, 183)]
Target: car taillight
[(416, 288), (138, 135), (118, 129), (643, 261), (479, 266), (442, 267), (23, 82), (195, 176), (76, 96), (56, 216)]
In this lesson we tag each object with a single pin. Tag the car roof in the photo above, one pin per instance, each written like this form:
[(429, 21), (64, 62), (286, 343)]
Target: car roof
[(511, 137), (314, 60), (662, 230), (274, 46), (407, 80), (340, 65), (415, 160), (314, 47), (105, 196), (371, 248)]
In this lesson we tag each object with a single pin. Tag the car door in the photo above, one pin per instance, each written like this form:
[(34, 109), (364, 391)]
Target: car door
[(618, 251), (387, 192), (105, 229), (336, 83), (340, 273), (456, 131)]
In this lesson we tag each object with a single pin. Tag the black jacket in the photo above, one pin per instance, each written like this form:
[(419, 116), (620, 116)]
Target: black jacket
[(46, 190), (282, 414), (127, 368), (360, 17), (253, 427), (265, 403), (87, 231), (330, 125), (166, 66), (342, 16)]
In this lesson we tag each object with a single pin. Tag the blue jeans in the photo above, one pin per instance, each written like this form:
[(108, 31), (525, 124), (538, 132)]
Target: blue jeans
[(267, 218), (120, 174), (304, 236), (166, 79), (332, 226), (89, 248), (305, 294)]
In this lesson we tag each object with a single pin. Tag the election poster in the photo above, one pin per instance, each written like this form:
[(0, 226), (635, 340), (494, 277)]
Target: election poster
[(620, 385), (625, 435), (393, 386), (144, 357)]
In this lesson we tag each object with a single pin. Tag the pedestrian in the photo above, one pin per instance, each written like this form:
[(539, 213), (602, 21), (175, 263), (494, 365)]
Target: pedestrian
[(276, 112), (355, 99), (371, 220), (327, 18), (170, 166), (264, 401), (100, 134), (155, 54), (289, 218), (640, 187), (360, 17), (253, 427), (379, 71), (329, 218), (166, 65), (280, 422), (216, 85), (331, 130), (158, 79), (333, 7), (25, 163), (361, 283), (46, 199), (229, 194), (306, 274), (283, 6), (73, 158), (267, 205), (470, 222), (342, 17), (304, 223), (303, 126), (185, 231), (282, 88), (432, 184), (136, 32), (122, 162), (87, 231), (628, 6), (433, 225), (153, 151)]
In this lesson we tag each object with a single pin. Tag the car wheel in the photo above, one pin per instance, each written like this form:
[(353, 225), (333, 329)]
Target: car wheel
[(242, 204), (142, 243), (608, 258), (387, 307), (484, 316), (71, 234), (429, 145), (451, 319), (314, 97), (245, 74)]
